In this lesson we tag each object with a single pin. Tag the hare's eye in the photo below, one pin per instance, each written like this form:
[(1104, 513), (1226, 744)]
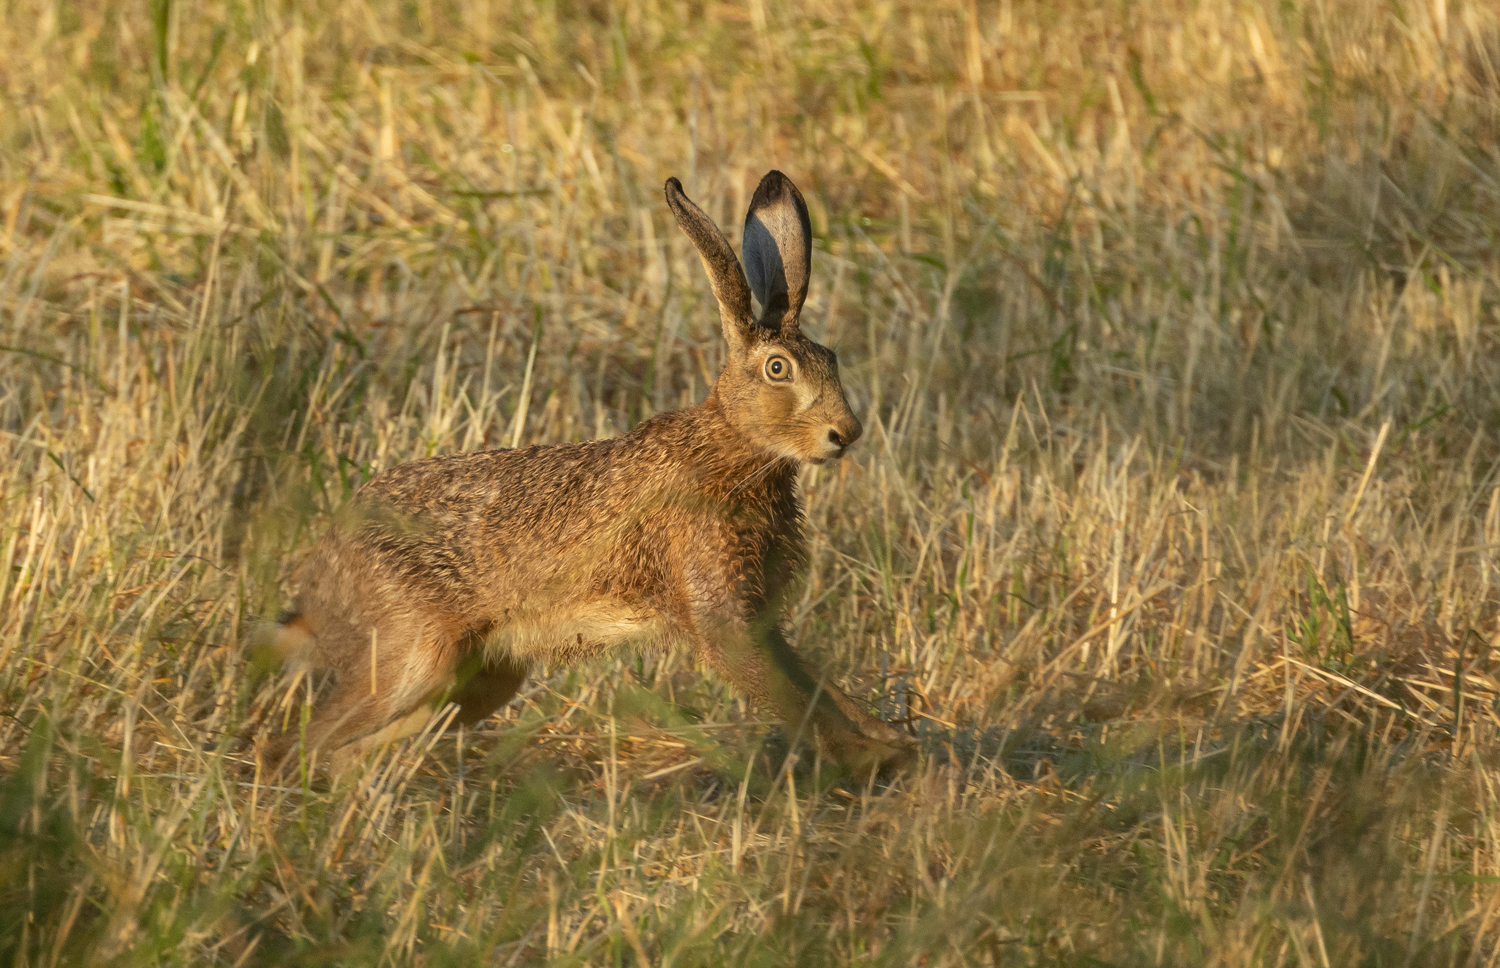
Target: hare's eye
[(778, 368)]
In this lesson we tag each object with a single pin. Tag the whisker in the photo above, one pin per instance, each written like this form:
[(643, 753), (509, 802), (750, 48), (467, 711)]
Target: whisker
[(756, 474)]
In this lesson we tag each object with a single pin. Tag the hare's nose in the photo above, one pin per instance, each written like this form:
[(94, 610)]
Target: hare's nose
[(845, 434)]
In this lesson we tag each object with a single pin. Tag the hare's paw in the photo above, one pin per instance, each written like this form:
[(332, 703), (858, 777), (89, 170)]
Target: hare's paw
[(862, 754)]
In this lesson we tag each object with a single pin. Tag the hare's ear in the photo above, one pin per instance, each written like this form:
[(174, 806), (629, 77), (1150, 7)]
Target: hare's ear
[(778, 250), (718, 260)]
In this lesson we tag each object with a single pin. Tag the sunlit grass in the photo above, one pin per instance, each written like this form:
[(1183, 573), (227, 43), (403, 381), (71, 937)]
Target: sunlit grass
[(1173, 533)]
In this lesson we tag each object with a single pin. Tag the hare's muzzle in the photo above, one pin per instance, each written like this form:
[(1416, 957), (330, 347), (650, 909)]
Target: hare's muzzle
[(841, 436)]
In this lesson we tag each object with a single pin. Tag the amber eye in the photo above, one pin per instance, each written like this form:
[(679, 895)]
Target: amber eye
[(779, 369)]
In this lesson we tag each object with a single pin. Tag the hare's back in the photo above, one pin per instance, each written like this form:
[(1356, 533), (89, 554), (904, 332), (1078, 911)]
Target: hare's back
[(529, 474), (558, 485), (434, 534)]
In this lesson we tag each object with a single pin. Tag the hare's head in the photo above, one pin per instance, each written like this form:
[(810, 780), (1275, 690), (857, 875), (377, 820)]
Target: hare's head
[(779, 389)]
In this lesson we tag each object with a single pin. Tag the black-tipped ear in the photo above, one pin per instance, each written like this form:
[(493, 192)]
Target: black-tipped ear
[(778, 250), (718, 260)]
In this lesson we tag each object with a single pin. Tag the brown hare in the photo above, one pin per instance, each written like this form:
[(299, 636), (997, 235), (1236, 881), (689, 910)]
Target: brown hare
[(446, 578)]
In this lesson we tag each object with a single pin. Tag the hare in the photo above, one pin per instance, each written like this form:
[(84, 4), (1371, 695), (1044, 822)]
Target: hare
[(444, 579)]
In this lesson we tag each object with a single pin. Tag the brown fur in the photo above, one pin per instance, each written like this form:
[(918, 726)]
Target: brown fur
[(449, 576)]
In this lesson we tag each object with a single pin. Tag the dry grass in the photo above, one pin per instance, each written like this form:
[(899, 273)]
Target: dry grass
[(1174, 531)]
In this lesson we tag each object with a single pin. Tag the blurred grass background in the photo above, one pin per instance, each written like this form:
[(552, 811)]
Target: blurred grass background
[(1173, 533)]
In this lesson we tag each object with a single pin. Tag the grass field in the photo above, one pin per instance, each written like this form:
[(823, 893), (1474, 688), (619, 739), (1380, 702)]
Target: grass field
[(1175, 328)]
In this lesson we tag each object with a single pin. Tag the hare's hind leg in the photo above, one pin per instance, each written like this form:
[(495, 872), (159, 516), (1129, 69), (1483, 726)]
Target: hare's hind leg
[(380, 677), (478, 686), (477, 692), (347, 715), (343, 757)]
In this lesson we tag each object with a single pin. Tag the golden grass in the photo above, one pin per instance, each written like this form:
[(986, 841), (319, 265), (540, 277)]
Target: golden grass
[(1173, 533)]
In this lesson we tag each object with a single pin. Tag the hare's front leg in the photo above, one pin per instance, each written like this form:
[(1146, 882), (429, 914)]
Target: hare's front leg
[(757, 659), (867, 724)]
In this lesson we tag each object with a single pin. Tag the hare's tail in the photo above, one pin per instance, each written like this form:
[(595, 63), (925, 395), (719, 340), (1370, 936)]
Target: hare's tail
[(293, 637)]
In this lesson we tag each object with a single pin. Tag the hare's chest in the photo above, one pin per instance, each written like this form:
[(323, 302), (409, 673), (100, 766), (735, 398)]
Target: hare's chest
[(770, 559)]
